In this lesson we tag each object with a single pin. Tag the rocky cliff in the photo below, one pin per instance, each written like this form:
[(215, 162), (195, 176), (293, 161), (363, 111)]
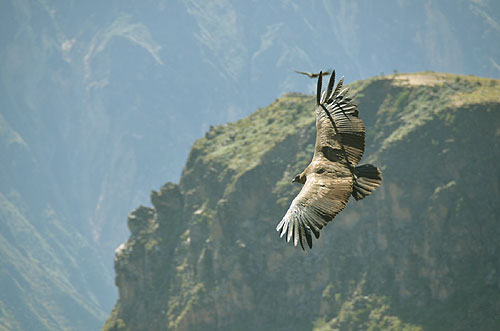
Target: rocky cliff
[(421, 253)]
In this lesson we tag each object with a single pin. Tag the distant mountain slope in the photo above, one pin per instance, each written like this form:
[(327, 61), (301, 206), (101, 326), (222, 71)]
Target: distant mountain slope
[(421, 253), (101, 100), (44, 286)]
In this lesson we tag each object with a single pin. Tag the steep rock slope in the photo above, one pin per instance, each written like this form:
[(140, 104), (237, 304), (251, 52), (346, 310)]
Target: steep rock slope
[(421, 252)]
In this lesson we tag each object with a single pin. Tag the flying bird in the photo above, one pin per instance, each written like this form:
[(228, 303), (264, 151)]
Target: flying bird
[(333, 174), (313, 75)]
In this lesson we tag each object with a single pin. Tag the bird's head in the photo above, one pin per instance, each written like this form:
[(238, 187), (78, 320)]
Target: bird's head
[(299, 178)]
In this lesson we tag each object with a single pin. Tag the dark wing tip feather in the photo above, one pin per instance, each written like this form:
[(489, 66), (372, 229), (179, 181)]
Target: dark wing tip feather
[(318, 88), (307, 233), (330, 86)]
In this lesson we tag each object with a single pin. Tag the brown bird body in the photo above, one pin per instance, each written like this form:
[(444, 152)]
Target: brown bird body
[(333, 175)]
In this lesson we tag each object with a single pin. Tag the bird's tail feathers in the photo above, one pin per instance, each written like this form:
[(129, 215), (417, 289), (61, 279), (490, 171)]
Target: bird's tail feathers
[(366, 179)]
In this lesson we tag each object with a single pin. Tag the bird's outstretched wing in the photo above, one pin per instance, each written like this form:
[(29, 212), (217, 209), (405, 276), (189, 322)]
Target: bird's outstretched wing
[(313, 75), (346, 143), (322, 197), (338, 125)]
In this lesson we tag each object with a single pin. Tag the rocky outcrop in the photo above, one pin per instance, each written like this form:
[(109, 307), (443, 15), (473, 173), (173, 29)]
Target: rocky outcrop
[(421, 253)]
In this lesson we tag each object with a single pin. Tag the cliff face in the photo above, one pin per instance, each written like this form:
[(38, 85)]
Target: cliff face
[(421, 252)]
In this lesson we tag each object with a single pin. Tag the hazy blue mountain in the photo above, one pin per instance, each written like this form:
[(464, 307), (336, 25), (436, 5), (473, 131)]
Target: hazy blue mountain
[(100, 102)]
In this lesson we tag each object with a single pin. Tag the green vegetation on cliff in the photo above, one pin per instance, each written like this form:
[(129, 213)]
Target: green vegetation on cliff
[(420, 253)]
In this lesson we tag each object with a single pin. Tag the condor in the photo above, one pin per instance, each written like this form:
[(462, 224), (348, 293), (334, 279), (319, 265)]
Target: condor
[(333, 174)]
